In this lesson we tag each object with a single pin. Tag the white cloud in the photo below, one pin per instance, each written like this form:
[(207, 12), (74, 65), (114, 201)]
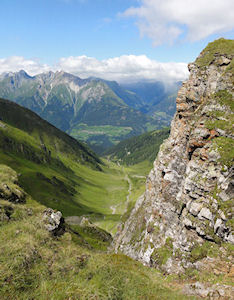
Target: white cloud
[(126, 68), (165, 21), (17, 63)]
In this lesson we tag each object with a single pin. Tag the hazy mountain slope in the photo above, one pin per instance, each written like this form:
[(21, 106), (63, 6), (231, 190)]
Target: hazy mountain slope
[(129, 97), (138, 149), (158, 99), (70, 103), (150, 92)]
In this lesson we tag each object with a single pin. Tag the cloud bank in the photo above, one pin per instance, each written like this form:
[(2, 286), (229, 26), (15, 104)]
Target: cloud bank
[(126, 68), (166, 21), (17, 63)]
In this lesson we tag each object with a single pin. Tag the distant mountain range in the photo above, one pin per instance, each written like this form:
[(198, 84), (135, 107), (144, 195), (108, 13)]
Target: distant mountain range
[(97, 111)]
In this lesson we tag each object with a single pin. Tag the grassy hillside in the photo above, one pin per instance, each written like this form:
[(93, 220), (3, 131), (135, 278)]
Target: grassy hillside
[(138, 149), (207, 55), (56, 170), (47, 139), (59, 172), (37, 265)]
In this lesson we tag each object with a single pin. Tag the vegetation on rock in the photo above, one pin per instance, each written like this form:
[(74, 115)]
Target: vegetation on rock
[(213, 49), (189, 191)]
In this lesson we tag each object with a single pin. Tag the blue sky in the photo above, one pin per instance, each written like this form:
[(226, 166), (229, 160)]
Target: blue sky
[(45, 31)]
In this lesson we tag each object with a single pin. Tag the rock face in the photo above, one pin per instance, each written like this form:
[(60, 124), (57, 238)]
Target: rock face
[(189, 192)]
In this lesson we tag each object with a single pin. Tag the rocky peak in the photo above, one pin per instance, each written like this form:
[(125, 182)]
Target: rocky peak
[(19, 74), (22, 73), (46, 77), (188, 200), (57, 78), (16, 79)]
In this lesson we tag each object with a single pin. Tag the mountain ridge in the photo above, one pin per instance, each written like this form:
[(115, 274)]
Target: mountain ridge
[(69, 103)]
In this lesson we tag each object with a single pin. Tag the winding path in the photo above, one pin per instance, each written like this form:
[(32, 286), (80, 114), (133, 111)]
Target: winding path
[(113, 208), (129, 189)]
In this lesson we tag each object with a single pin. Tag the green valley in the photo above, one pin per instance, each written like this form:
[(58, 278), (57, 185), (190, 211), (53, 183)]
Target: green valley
[(41, 167), (116, 150), (62, 173)]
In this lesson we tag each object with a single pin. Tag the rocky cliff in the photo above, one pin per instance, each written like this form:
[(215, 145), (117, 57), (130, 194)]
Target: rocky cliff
[(187, 207)]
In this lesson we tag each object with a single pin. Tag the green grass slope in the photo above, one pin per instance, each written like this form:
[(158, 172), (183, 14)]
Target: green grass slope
[(55, 169), (207, 55), (45, 134), (138, 149)]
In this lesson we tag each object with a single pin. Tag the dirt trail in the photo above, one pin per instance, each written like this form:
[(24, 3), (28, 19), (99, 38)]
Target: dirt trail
[(113, 208), (139, 176), (129, 188)]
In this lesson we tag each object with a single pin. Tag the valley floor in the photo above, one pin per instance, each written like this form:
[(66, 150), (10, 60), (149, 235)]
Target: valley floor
[(121, 186)]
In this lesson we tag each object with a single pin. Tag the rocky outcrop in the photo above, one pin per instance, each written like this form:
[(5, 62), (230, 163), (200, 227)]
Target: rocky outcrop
[(188, 200), (5, 213), (9, 186), (54, 222), (88, 228), (216, 291)]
